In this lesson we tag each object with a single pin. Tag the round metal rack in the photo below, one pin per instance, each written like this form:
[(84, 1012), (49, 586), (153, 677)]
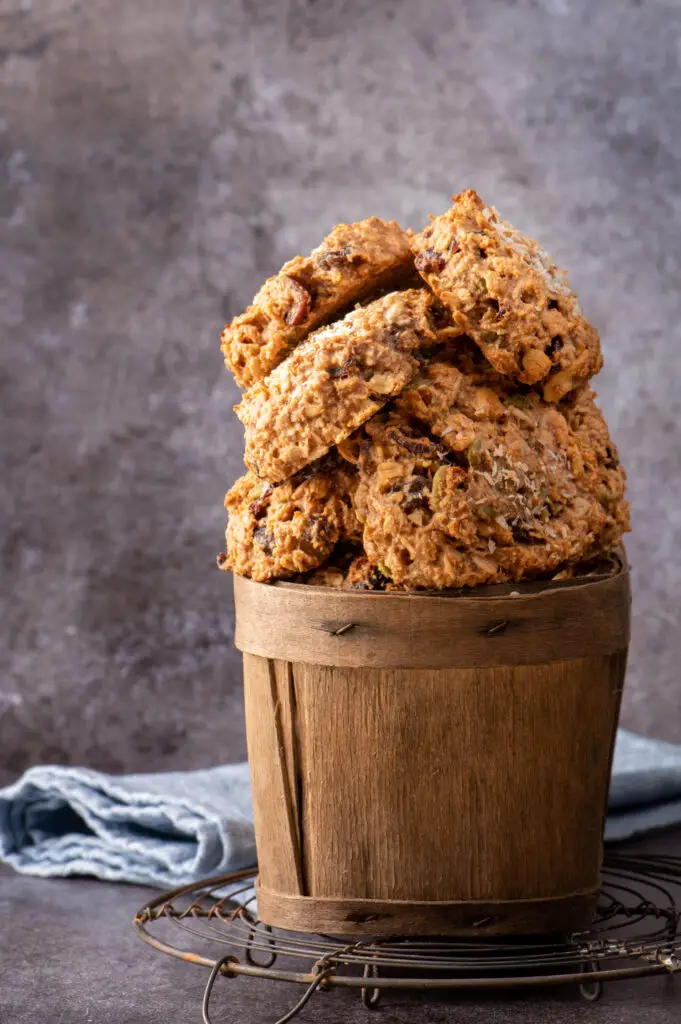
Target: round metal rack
[(637, 932)]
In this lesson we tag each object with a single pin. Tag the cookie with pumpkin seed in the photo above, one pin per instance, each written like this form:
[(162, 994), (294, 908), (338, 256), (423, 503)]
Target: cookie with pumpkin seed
[(275, 531), (506, 293), (332, 383), (352, 262), (464, 482)]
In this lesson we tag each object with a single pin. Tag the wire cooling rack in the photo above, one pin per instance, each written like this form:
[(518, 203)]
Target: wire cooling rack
[(637, 932)]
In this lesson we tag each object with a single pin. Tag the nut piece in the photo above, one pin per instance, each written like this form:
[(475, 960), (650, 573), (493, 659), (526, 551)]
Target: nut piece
[(536, 365), (332, 383), (354, 261), (507, 294)]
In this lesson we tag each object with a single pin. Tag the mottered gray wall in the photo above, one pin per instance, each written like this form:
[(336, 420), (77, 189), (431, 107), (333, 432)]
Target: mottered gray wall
[(159, 161)]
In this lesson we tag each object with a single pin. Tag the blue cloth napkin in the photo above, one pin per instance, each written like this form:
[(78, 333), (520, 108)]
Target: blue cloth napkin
[(172, 828), (163, 829)]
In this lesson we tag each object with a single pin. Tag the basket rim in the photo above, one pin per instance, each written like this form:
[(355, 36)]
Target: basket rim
[(490, 592), (553, 620)]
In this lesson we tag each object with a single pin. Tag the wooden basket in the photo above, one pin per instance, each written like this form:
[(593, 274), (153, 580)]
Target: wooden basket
[(432, 764)]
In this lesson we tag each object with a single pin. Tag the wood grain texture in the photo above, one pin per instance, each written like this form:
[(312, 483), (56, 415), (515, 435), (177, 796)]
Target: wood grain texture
[(451, 785), (466, 790), (344, 916), (543, 623), (274, 807)]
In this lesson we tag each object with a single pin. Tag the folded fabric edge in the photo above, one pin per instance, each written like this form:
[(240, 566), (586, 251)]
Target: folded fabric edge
[(644, 821)]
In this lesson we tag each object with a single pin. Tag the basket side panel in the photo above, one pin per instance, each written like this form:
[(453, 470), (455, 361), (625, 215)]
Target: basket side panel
[(465, 784)]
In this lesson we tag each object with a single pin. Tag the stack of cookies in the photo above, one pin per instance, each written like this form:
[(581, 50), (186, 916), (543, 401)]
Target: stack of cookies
[(418, 414)]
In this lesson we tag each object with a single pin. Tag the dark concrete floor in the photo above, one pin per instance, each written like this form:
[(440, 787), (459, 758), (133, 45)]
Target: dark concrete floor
[(68, 955)]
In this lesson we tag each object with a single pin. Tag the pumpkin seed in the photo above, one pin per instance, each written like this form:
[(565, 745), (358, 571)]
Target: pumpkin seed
[(519, 401), (439, 485), (475, 452)]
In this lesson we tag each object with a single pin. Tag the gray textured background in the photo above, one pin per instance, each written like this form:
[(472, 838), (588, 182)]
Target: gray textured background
[(160, 159)]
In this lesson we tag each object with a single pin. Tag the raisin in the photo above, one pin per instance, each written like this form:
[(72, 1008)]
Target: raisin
[(335, 257), (520, 533), (440, 315), (411, 445), (264, 539), (454, 458), (339, 372), (553, 304), (258, 508), (414, 503), (394, 333), (375, 580), (418, 483), (316, 529), (221, 559), (307, 472), (524, 534), (554, 346), (430, 261), (300, 304), (612, 461)]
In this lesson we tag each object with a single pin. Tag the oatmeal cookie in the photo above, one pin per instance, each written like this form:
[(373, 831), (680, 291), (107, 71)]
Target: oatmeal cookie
[(506, 293), (463, 483), (351, 263), (332, 383), (604, 477), (275, 531)]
